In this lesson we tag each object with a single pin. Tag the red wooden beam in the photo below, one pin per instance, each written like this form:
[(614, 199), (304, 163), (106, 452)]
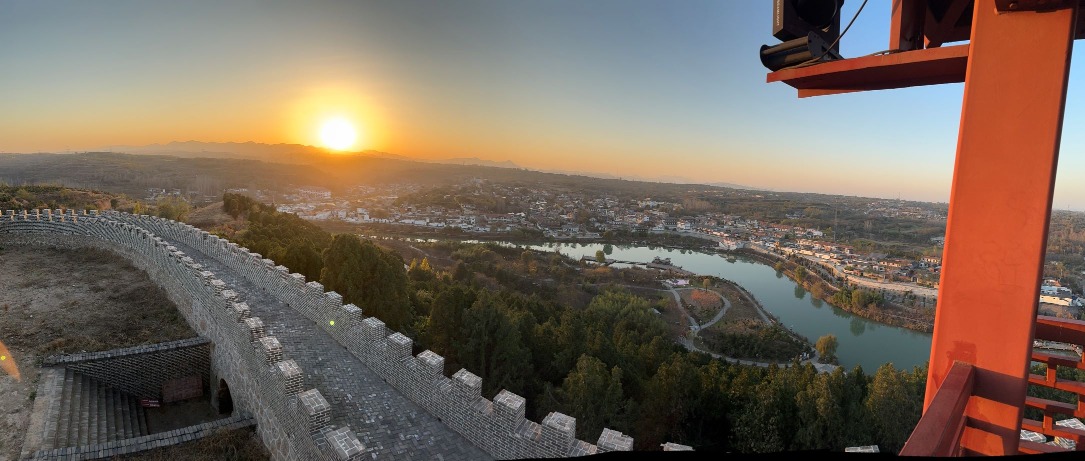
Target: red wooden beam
[(999, 208), (1070, 331), (880, 72)]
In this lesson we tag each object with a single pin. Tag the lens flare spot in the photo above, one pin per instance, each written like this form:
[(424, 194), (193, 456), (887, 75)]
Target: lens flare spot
[(331, 322), (9, 366)]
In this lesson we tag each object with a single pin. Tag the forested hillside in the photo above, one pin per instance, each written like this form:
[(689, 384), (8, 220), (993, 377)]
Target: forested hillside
[(604, 358)]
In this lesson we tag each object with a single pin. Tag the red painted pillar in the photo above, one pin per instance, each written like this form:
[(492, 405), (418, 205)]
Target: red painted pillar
[(1000, 204)]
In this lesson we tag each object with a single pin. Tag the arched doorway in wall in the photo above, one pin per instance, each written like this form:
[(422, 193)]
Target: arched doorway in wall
[(225, 402)]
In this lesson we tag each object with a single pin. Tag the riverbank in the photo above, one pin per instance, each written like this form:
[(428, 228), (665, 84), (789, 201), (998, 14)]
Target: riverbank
[(862, 341), (813, 280), (740, 313)]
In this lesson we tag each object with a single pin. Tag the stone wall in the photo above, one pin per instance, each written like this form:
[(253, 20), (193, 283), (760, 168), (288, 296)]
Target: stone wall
[(142, 371), (119, 448), (292, 421), (497, 425)]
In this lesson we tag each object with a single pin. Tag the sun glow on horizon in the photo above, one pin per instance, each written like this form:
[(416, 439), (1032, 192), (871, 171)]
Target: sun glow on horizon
[(338, 134)]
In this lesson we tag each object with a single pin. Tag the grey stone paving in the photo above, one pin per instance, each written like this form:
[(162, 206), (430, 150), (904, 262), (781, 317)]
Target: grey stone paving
[(385, 421)]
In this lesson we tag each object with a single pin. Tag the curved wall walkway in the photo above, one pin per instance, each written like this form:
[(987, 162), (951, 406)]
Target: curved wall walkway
[(276, 334)]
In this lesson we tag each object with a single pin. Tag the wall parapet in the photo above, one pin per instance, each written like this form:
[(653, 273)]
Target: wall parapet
[(498, 426), (263, 385), (145, 371)]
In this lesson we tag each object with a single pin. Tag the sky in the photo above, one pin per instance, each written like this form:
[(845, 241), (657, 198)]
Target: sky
[(662, 89)]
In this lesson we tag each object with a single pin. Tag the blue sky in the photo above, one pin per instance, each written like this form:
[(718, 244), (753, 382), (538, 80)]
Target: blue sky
[(635, 88)]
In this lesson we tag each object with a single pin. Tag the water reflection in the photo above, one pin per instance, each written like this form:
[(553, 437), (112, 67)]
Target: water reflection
[(857, 327), (799, 292)]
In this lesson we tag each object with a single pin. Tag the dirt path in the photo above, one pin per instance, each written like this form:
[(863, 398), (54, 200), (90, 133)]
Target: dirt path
[(678, 300), (63, 301)]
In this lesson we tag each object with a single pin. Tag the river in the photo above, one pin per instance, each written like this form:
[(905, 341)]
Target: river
[(861, 342)]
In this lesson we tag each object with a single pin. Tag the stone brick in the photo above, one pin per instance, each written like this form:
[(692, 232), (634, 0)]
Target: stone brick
[(399, 346), (291, 376), (344, 444), (272, 350), (316, 409), (676, 447), (256, 328), (433, 363), (611, 440)]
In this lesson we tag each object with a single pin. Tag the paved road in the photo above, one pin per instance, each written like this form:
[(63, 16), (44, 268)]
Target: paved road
[(918, 290), (385, 421)]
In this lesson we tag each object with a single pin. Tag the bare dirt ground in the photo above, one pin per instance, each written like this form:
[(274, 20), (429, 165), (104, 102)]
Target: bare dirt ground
[(65, 301)]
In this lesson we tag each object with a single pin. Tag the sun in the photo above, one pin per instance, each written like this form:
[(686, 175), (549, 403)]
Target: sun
[(338, 134)]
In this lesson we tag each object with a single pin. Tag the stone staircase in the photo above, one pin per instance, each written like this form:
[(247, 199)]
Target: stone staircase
[(88, 412)]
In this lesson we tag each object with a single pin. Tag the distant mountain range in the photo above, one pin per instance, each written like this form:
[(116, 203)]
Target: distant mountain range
[(278, 153), (304, 154)]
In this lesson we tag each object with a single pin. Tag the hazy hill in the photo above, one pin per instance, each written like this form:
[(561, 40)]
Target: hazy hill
[(280, 153)]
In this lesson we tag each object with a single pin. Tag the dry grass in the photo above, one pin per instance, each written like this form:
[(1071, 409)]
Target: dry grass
[(235, 445), (66, 301), (742, 307), (701, 304), (210, 216)]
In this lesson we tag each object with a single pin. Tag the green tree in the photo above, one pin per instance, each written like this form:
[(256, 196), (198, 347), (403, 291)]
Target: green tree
[(446, 322), (826, 347), (768, 417), (600, 257), (369, 277), (671, 395), (594, 396), (491, 344), (800, 274), (304, 259), (895, 405)]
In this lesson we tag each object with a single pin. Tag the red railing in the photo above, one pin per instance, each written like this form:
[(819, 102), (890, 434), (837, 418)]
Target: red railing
[(939, 431), (1062, 331)]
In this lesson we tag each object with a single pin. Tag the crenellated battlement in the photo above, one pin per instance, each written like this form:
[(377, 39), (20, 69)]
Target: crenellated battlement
[(497, 426), (270, 383)]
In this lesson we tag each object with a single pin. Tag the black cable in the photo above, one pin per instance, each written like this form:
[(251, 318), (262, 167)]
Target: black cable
[(835, 42)]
